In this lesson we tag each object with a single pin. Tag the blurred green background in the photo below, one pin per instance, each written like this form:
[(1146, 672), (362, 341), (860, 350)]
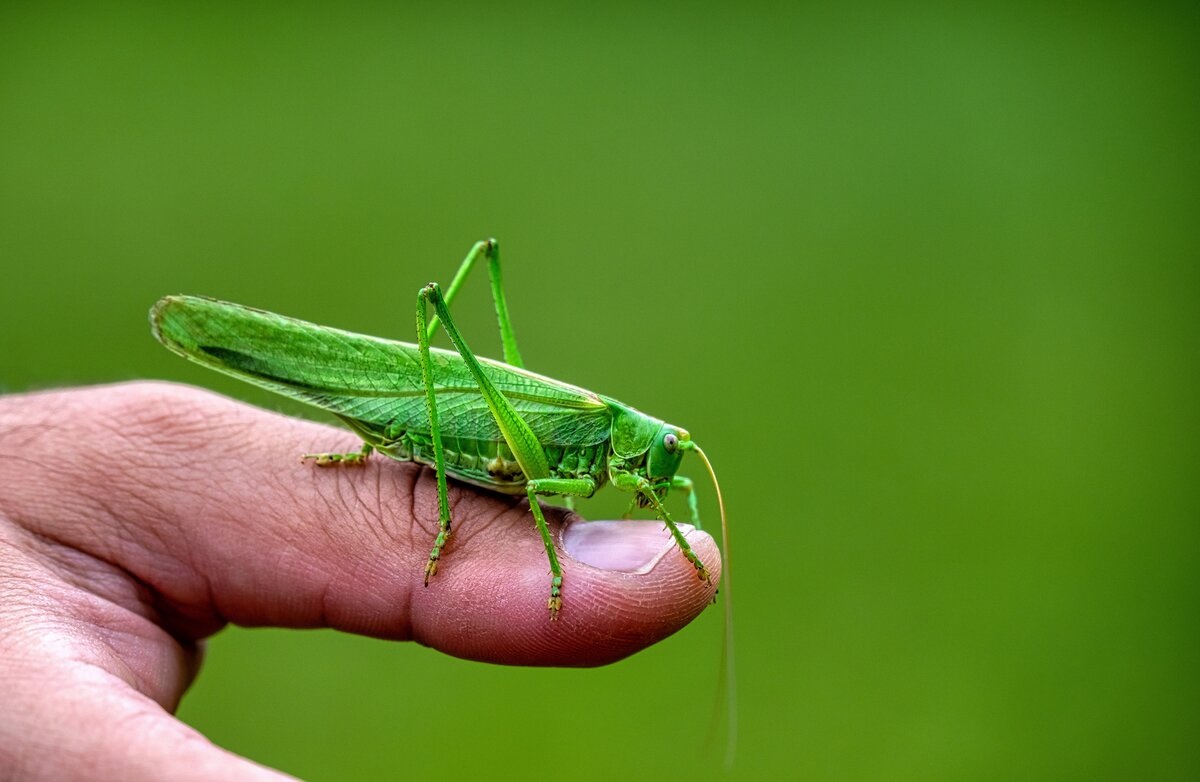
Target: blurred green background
[(923, 280)]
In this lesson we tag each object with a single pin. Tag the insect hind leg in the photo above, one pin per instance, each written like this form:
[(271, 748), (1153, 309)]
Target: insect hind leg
[(490, 249)]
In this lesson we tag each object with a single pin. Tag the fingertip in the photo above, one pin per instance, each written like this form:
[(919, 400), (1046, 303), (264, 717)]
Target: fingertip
[(626, 585)]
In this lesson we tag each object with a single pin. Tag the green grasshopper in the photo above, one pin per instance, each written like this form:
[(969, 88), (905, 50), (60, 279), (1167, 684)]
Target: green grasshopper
[(491, 424)]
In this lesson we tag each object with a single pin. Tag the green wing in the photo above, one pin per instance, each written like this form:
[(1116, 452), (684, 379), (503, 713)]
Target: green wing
[(368, 379)]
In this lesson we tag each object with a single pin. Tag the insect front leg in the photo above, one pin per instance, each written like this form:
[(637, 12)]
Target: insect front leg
[(628, 481), (567, 487), (372, 440), (684, 485)]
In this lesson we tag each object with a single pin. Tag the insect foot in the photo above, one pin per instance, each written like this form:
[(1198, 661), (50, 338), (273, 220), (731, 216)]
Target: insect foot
[(431, 567), (326, 459), (555, 601), (701, 570)]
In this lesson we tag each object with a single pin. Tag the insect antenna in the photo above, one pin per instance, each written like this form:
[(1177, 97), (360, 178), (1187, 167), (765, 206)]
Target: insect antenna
[(728, 672)]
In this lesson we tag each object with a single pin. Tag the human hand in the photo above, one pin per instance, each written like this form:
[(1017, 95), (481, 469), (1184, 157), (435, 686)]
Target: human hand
[(137, 520)]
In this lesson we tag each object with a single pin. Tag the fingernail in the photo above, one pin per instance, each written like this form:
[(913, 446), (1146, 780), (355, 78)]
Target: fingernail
[(623, 546)]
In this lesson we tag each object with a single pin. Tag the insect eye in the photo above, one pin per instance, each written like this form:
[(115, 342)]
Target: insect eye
[(670, 442)]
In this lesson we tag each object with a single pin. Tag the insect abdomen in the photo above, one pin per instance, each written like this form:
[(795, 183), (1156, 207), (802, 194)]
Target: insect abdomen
[(486, 463), (491, 465)]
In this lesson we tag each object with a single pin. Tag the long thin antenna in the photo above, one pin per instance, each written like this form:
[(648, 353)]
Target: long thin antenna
[(728, 670)]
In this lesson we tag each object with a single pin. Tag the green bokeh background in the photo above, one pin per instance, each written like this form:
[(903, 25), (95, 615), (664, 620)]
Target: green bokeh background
[(923, 280)]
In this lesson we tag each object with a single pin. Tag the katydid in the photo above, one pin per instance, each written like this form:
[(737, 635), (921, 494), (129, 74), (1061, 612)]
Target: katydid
[(488, 423), (506, 429)]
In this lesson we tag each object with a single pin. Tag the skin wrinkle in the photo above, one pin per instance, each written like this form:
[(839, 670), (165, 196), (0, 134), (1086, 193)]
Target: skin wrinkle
[(166, 560), (117, 471), (275, 526), (376, 508), (176, 418), (136, 468), (418, 483), (413, 479), (128, 714), (105, 657), (128, 536), (87, 625), (349, 479), (25, 610), (90, 575), (77, 568), (122, 611), (369, 499), (334, 528), (379, 540), (324, 617), (103, 473), (14, 431), (520, 543), (54, 475), (477, 517), (345, 502), (122, 626), (32, 423)]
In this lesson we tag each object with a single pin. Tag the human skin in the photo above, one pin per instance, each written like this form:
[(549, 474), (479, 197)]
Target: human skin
[(137, 520)]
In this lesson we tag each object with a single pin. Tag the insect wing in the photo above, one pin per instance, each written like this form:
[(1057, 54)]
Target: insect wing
[(369, 379)]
